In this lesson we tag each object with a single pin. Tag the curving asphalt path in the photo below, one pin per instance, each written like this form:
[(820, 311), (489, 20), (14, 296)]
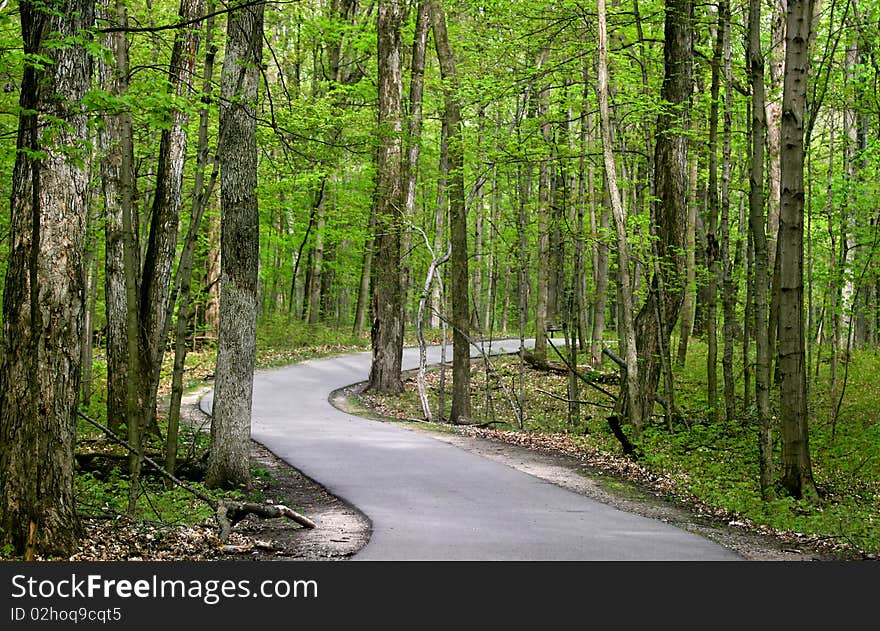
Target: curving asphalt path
[(428, 500)]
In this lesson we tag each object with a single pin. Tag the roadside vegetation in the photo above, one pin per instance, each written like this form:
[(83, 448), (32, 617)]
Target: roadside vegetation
[(101, 477), (710, 466)]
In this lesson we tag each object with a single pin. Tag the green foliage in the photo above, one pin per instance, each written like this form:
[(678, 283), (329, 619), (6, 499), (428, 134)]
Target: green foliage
[(108, 497), (281, 342)]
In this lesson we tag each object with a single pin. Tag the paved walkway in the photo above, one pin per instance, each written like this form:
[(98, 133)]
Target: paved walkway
[(428, 500)]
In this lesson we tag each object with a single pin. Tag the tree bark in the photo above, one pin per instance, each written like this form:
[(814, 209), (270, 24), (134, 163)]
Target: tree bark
[(627, 308), (761, 258), (44, 294), (542, 289), (461, 400), (728, 287), (116, 146), (228, 460), (387, 328), (669, 212), (712, 247), (687, 305), (440, 212), (797, 475), (201, 197), (161, 249)]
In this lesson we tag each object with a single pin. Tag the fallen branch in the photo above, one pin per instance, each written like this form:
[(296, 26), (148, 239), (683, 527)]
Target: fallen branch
[(559, 398), (579, 375), (227, 513), (230, 513)]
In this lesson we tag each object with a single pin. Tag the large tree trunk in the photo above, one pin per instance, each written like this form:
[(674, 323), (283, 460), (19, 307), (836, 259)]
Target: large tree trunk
[(387, 329), (669, 212), (43, 298), (461, 363), (797, 474), (228, 461)]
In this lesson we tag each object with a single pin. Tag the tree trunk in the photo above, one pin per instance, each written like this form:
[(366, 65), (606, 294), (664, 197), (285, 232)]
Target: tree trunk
[(387, 327), (360, 314), (712, 248), (44, 297), (228, 460), (728, 288), (627, 308), (316, 269), (797, 474), (461, 363), (440, 212), (669, 212), (542, 289), (90, 267), (416, 89), (759, 245), (116, 145), (773, 117), (201, 197), (212, 278), (161, 250), (687, 306)]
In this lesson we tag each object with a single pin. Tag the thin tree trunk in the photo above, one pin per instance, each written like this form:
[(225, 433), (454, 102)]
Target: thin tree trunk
[(712, 248), (360, 314), (440, 211), (316, 269), (687, 306), (159, 257), (773, 117), (544, 225), (212, 278), (90, 265), (201, 198), (115, 140), (729, 293), (627, 307), (834, 292), (410, 172), (461, 400)]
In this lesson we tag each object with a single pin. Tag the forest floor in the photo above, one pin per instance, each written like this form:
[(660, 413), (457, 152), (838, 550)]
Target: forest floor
[(342, 530)]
